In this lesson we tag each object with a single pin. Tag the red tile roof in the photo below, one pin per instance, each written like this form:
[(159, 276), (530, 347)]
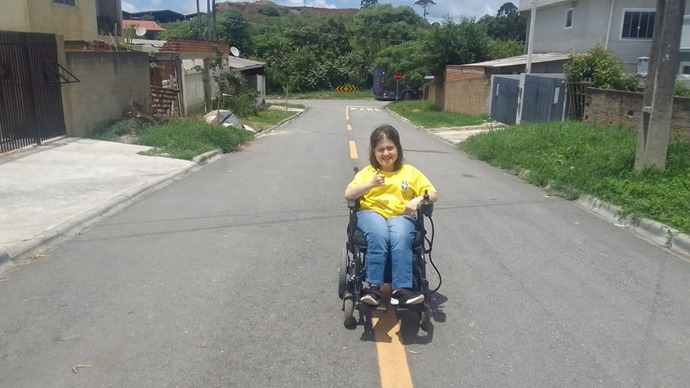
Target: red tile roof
[(148, 24)]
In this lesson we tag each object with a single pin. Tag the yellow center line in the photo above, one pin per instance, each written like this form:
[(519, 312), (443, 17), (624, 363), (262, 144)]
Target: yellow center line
[(353, 150), (392, 358), (395, 373)]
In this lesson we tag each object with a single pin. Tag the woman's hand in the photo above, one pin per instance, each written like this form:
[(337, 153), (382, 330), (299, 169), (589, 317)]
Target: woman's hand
[(378, 180), (356, 191), (411, 207)]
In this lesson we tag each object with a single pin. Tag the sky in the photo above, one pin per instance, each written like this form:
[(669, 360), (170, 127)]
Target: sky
[(456, 9)]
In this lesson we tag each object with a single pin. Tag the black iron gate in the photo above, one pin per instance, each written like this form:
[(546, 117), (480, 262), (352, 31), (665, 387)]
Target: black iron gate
[(30, 95)]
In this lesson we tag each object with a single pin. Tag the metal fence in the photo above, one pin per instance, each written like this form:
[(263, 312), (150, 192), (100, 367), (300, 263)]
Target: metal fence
[(30, 97)]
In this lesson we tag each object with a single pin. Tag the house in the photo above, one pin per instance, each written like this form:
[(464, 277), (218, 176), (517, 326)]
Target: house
[(149, 29), (86, 20), (624, 27), (62, 71), (183, 65), (160, 16)]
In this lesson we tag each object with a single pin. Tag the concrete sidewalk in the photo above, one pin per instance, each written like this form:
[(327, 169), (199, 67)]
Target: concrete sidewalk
[(49, 193)]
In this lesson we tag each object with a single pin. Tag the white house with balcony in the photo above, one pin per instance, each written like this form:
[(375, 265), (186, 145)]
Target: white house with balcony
[(624, 27)]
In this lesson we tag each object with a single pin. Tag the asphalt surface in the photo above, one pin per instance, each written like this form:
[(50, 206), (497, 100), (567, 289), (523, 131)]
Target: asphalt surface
[(50, 193)]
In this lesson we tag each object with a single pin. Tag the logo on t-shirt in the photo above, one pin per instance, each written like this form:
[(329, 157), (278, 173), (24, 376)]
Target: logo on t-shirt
[(404, 186)]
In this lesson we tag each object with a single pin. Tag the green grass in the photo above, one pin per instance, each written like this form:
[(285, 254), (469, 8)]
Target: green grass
[(575, 158), (288, 105), (266, 119), (326, 95), (427, 115), (188, 138)]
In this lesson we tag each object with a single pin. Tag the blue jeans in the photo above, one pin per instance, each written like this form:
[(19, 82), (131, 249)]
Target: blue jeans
[(388, 238)]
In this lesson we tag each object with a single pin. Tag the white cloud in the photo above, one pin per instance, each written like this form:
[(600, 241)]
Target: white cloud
[(129, 7)]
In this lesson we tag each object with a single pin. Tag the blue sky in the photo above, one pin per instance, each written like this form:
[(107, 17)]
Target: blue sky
[(453, 8)]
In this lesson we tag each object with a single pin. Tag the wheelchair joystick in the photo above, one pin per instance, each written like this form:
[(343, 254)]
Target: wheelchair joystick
[(426, 207)]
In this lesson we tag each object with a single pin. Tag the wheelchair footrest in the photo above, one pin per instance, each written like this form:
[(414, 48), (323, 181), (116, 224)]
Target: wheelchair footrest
[(365, 308)]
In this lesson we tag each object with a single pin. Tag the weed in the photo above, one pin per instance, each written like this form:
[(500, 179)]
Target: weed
[(577, 158), (427, 115)]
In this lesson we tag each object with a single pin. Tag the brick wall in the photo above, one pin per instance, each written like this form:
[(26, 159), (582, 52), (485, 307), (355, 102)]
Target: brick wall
[(457, 73), (467, 95), (613, 107)]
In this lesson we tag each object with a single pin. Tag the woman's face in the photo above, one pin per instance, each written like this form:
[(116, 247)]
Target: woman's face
[(386, 154)]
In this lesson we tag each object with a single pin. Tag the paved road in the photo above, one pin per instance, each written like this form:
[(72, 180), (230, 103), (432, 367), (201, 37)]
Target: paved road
[(228, 277)]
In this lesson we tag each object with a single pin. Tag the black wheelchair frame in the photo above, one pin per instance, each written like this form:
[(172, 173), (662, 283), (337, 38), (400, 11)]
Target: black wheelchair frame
[(352, 269)]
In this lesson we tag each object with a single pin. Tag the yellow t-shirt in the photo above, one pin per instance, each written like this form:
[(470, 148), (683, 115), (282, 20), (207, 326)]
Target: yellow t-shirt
[(400, 187)]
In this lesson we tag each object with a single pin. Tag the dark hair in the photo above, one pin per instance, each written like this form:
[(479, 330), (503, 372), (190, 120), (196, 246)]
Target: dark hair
[(385, 131)]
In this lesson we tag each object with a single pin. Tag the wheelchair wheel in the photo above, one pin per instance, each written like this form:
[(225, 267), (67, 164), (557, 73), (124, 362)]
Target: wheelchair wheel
[(348, 311), (342, 274), (425, 319)]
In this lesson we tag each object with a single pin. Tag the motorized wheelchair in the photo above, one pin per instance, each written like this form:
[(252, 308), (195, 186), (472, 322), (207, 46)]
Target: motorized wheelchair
[(352, 269)]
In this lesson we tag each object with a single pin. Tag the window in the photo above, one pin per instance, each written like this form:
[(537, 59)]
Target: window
[(685, 69), (569, 18), (73, 3), (638, 25)]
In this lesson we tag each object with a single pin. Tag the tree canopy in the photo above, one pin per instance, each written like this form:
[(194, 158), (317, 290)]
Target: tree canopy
[(308, 51)]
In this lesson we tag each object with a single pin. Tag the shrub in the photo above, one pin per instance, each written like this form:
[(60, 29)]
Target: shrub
[(603, 67)]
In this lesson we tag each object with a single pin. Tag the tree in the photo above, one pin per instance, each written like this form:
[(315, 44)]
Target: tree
[(367, 3), (425, 4), (233, 29), (507, 9), (507, 25), (387, 25), (455, 44)]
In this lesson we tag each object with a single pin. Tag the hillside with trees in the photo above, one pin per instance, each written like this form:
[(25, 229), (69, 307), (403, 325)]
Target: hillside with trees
[(311, 49)]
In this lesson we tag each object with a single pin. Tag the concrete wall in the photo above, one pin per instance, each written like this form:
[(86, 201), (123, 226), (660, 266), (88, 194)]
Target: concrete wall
[(15, 16), (469, 96), (612, 107), (109, 83), (434, 92), (74, 23)]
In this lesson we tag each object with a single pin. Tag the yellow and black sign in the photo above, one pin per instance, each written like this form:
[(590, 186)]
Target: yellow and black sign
[(346, 88)]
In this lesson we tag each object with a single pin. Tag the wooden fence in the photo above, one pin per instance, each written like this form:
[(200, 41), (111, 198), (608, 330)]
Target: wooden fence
[(576, 98)]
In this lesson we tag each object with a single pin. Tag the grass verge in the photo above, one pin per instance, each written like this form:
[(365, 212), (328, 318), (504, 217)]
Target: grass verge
[(188, 138), (266, 119), (424, 113), (575, 158)]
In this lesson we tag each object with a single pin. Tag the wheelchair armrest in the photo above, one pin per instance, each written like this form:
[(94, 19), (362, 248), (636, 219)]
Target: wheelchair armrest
[(353, 204)]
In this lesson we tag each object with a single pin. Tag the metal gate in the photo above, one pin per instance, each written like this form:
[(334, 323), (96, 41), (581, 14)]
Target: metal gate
[(504, 98), (30, 95), (543, 98)]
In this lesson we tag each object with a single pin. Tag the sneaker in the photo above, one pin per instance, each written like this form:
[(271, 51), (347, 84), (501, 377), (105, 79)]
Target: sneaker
[(371, 295), (406, 296)]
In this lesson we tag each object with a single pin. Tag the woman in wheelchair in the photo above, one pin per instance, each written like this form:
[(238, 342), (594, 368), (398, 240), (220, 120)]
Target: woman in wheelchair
[(389, 192)]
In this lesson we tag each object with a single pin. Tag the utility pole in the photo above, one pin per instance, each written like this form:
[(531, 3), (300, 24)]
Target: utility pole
[(198, 21), (528, 66), (213, 29), (657, 108)]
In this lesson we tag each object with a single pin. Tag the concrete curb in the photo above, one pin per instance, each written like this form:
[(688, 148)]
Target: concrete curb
[(281, 123), (665, 236), (67, 230)]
